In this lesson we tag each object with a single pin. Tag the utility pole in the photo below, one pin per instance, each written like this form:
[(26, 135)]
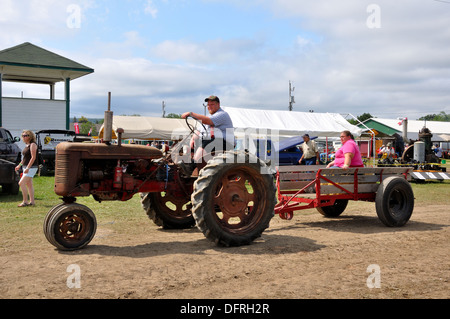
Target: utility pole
[(291, 97), (163, 109)]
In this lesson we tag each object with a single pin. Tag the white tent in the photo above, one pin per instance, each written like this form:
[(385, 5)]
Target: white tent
[(289, 123), (148, 128), (414, 126), (285, 123), (440, 130)]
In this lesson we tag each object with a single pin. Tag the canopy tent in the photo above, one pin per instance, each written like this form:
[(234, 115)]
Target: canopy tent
[(149, 128), (391, 126), (285, 123), (289, 123), (289, 143)]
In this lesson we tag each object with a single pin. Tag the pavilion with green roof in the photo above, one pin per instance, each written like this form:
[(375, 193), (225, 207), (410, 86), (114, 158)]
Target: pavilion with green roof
[(28, 63)]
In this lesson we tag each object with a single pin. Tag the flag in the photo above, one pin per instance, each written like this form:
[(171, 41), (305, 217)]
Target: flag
[(90, 131), (77, 128), (402, 120)]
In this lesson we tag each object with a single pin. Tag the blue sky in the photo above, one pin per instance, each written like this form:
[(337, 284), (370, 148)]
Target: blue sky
[(386, 58)]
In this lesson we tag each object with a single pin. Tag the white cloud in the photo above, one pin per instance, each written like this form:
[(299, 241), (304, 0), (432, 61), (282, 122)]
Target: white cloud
[(36, 20), (385, 68), (212, 52), (151, 9), (7, 11)]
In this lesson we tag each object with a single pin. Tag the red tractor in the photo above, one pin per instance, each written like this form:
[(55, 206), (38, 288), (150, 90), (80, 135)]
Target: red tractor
[(230, 200)]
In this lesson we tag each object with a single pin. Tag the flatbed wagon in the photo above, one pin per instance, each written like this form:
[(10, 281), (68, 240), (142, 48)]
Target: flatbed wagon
[(329, 190)]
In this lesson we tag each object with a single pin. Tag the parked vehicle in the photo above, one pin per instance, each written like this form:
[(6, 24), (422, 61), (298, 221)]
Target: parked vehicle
[(9, 178), (286, 151), (8, 148), (10, 156), (47, 140)]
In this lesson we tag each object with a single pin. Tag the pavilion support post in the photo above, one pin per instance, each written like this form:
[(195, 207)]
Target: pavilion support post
[(67, 91), (52, 91)]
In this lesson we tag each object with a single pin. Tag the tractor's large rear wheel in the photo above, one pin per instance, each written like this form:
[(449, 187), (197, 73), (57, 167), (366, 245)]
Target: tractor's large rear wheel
[(168, 210), (233, 202)]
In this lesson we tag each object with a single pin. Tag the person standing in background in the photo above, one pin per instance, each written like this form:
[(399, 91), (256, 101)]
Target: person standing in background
[(310, 151), (30, 167), (438, 151)]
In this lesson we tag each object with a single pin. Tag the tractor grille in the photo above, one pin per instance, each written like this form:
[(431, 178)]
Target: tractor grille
[(62, 169)]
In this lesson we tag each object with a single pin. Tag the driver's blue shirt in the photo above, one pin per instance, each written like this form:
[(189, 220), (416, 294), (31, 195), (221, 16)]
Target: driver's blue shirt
[(222, 125)]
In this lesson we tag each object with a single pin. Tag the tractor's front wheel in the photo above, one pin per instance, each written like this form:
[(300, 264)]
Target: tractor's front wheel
[(70, 226), (233, 201)]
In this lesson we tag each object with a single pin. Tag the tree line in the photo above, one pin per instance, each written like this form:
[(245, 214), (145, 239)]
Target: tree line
[(441, 117), (89, 126)]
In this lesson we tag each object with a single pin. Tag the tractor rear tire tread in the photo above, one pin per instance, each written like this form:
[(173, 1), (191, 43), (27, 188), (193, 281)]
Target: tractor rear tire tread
[(202, 200)]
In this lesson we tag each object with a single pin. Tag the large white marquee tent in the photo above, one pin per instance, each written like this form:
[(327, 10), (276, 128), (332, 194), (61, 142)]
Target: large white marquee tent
[(283, 123), (289, 123)]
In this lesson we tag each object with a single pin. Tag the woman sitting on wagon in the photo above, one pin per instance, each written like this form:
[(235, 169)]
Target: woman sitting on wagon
[(348, 155)]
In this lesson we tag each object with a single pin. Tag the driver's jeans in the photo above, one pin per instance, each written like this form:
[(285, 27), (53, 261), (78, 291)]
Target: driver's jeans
[(207, 151)]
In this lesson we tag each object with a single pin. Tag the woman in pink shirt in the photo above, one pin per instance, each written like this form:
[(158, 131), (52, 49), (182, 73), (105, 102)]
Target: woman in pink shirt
[(348, 155)]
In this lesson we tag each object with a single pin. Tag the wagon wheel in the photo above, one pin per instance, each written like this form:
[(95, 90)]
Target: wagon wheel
[(233, 203), (170, 211), (70, 227), (334, 210), (394, 201)]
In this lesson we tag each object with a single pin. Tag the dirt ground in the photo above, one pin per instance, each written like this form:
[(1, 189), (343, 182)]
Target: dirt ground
[(308, 257)]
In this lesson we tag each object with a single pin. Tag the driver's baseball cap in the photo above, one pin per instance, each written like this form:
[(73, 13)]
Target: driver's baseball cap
[(212, 98)]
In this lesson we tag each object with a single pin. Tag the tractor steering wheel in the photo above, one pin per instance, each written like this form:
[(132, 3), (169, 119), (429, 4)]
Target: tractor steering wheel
[(193, 129)]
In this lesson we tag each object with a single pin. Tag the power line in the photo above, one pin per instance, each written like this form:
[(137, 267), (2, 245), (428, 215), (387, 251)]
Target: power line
[(291, 97)]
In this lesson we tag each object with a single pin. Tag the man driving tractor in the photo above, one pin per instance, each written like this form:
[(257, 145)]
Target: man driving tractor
[(217, 132)]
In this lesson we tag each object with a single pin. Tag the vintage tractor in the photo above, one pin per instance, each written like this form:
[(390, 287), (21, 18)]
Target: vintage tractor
[(230, 200)]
